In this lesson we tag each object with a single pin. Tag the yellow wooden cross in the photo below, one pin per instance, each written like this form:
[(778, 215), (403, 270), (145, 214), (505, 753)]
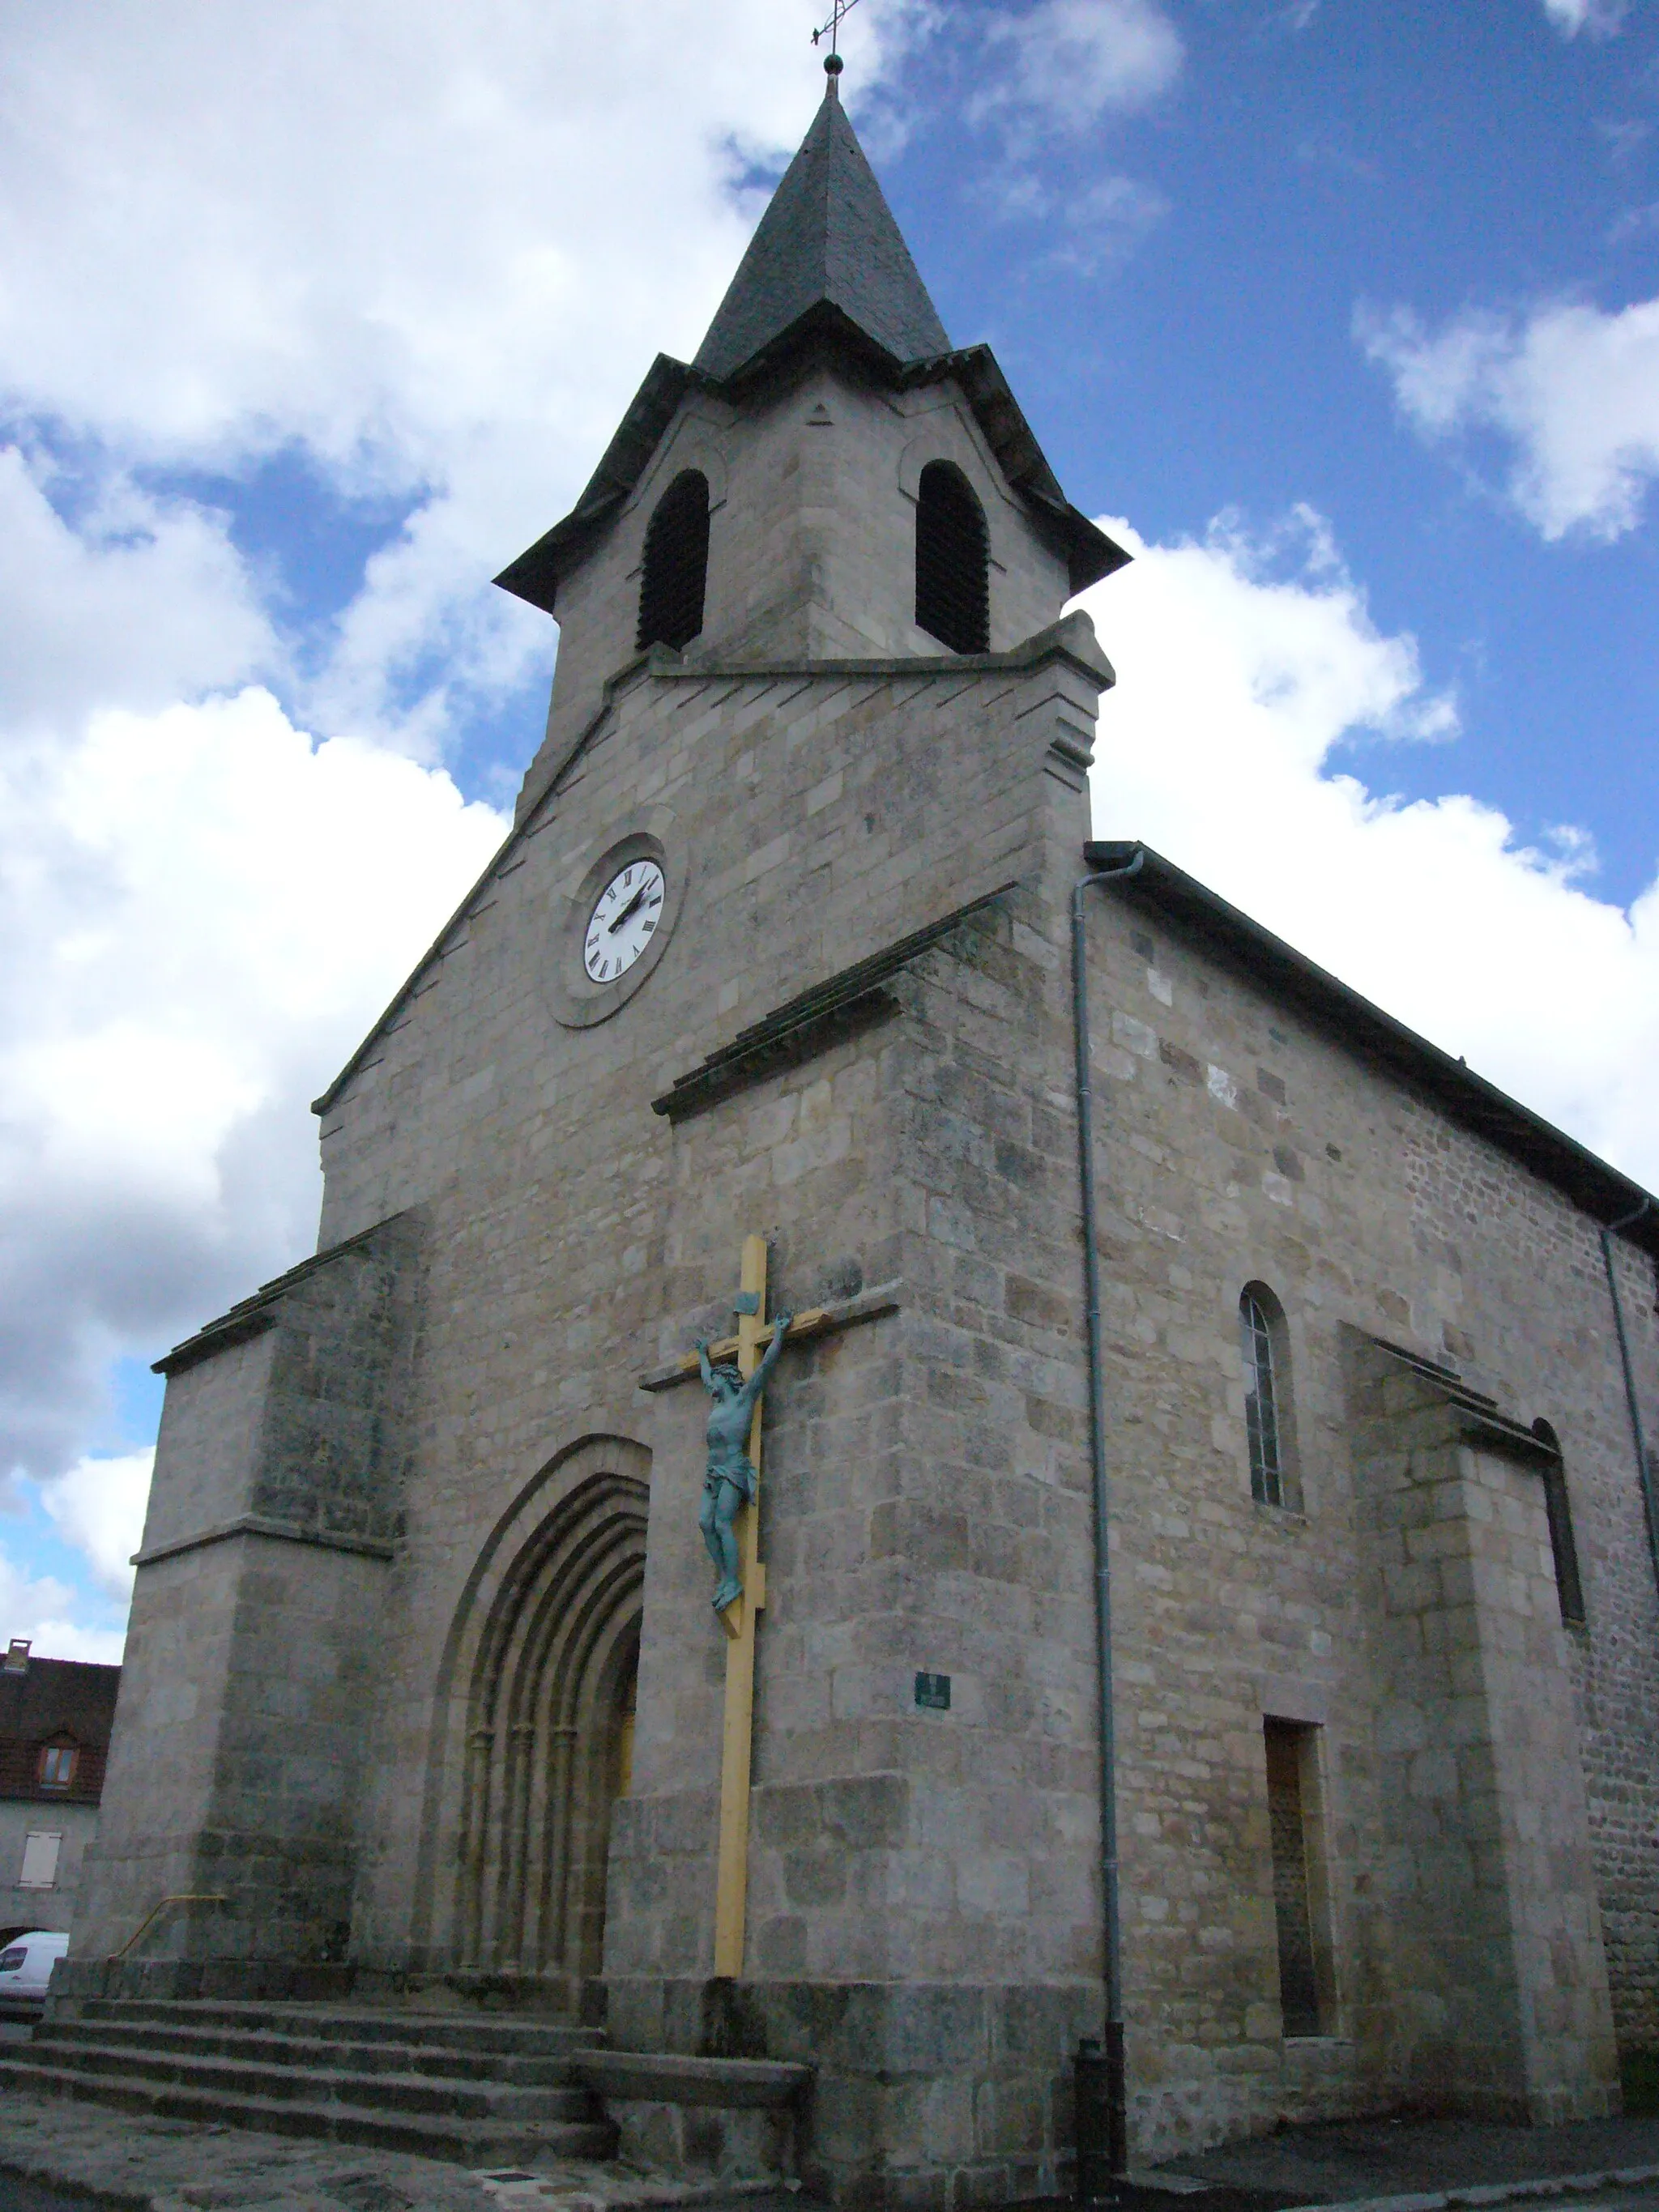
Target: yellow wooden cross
[(738, 1619)]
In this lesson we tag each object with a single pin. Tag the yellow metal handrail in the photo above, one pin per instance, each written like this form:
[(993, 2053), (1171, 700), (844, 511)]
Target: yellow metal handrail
[(184, 1897)]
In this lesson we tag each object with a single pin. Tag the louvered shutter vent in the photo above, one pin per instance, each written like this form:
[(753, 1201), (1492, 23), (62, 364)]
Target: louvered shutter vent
[(676, 564), (953, 592)]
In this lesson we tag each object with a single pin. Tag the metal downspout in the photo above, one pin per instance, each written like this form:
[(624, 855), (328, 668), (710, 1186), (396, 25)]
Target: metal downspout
[(1644, 1472), (1116, 2115)]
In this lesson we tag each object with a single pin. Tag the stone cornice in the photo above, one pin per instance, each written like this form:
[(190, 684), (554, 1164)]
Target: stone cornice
[(255, 1524), (810, 1023), (252, 1316)]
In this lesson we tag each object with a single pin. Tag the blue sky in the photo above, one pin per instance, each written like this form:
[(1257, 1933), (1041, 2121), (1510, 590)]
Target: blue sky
[(1308, 165), (1346, 314)]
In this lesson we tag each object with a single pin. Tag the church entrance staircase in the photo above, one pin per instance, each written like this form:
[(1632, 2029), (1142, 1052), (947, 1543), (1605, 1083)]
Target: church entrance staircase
[(477, 2091)]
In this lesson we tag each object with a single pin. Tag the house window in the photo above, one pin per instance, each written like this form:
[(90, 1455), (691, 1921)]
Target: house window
[(57, 1766), (41, 1862), (1563, 1552), (676, 564), (1266, 1407), (952, 565), (1298, 1900)]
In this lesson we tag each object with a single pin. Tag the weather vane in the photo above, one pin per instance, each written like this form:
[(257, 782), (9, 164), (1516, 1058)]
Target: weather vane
[(831, 30)]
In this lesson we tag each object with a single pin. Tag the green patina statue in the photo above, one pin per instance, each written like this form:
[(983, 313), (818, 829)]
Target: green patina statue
[(730, 1481)]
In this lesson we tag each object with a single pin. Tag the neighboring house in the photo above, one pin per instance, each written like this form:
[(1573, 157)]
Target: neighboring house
[(55, 1720)]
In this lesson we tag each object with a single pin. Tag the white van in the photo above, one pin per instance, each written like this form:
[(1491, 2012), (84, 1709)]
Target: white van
[(26, 1962)]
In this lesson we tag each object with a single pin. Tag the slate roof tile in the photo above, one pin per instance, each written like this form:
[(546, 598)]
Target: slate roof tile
[(828, 237)]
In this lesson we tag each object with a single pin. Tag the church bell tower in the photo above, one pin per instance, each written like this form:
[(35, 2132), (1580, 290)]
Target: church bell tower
[(828, 480)]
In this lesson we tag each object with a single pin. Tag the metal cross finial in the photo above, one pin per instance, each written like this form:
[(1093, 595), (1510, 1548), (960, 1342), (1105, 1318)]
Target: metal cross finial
[(832, 28)]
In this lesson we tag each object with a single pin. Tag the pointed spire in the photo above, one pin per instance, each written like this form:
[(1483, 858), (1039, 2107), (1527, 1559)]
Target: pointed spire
[(828, 237)]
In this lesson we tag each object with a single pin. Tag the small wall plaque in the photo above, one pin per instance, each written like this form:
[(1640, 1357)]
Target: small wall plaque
[(933, 1692)]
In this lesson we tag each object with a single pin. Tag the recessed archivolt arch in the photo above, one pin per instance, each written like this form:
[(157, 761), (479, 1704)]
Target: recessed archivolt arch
[(535, 1678)]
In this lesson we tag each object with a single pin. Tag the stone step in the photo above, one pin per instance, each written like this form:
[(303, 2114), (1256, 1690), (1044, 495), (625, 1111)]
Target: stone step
[(277, 2047), (425, 2093), (665, 2078), (336, 2023), (313, 2110)]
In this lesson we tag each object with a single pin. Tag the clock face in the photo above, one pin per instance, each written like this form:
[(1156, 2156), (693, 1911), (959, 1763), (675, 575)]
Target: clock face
[(625, 917)]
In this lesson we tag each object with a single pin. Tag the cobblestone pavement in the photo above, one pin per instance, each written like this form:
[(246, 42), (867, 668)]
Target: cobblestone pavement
[(54, 2153), (1350, 2160), (57, 2155)]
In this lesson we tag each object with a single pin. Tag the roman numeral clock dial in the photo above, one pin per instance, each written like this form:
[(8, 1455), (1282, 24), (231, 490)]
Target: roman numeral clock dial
[(625, 917)]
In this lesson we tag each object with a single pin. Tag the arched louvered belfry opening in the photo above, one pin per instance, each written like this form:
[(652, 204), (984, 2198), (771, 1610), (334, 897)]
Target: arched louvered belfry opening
[(953, 598), (549, 1738), (676, 564)]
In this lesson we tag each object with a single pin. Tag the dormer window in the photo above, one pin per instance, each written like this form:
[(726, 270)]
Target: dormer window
[(676, 564), (56, 1768), (953, 600)]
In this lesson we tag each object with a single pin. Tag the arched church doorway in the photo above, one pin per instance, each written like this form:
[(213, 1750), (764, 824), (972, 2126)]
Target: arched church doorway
[(548, 1743)]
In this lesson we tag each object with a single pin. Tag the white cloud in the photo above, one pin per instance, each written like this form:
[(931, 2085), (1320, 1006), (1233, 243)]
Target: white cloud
[(1067, 62), (98, 1505), (432, 251), (1107, 220), (435, 246), (1623, 136), (1087, 229), (1634, 223), (1603, 19), (143, 599), (203, 911), (1239, 677), (1573, 391), (42, 1608)]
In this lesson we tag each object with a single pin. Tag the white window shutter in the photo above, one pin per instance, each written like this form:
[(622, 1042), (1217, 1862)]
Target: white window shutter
[(41, 1861)]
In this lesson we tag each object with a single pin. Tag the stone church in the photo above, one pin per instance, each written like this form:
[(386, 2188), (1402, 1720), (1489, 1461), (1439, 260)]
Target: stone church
[(787, 996)]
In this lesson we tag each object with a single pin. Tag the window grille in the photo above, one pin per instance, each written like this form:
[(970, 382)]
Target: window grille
[(1262, 1413), (952, 566), (676, 564)]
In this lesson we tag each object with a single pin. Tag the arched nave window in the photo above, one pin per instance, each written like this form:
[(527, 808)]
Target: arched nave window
[(1266, 1396), (1563, 1551)]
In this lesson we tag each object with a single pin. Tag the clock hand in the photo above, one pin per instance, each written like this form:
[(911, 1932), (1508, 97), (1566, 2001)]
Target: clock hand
[(629, 908)]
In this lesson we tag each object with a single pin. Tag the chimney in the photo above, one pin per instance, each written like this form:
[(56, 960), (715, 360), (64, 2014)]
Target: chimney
[(17, 1656)]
